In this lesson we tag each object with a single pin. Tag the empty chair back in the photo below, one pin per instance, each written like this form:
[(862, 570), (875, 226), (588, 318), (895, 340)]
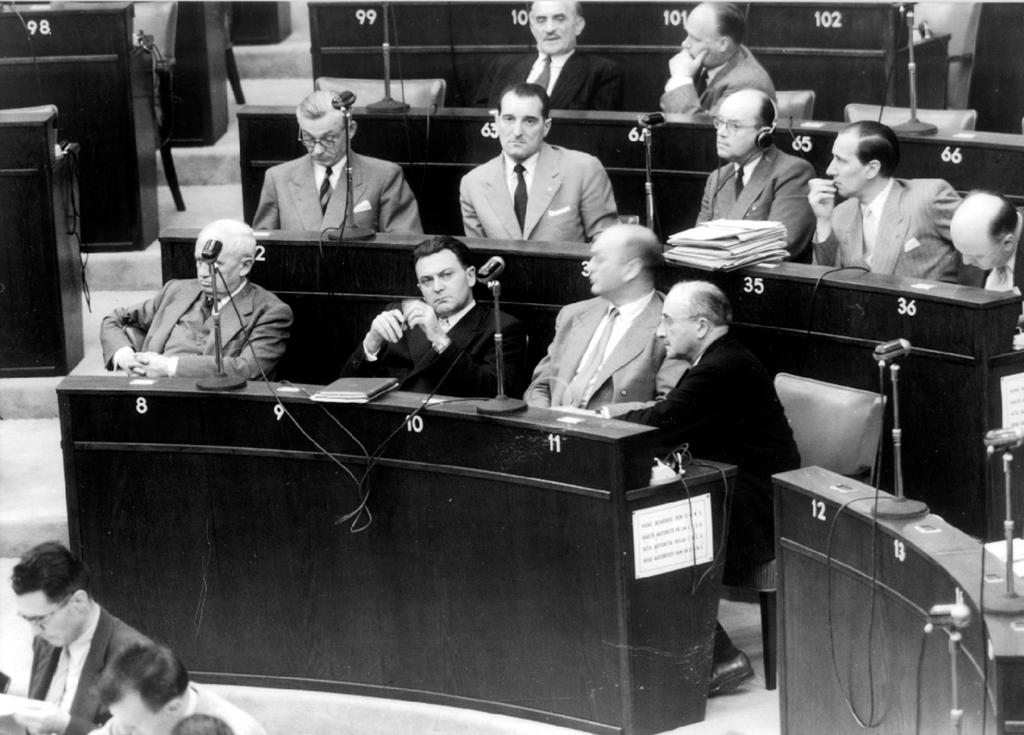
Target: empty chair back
[(947, 121), (795, 103)]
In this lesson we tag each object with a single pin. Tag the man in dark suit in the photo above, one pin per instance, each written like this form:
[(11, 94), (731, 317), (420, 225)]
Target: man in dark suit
[(713, 63), (171, 334), (574, 80), (726, 409), (309, 193), (628, 368), (986, 230), (75, 639), (758, 182), (532, 190), (886, 225), (444, 343)]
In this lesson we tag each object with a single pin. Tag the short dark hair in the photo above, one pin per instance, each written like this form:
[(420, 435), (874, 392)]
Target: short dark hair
[(148, 668), (876, 142), (202, 725), (526, 89), (50, 567), (709, 301), (439, 243), (732, 21), (1005, 221)]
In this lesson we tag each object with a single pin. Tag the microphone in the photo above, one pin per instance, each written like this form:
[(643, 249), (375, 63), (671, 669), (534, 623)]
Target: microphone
[(956, 615), (889, 351), (343, 100), (651, 120), (211, 249), (1004, 439), (490, 270)]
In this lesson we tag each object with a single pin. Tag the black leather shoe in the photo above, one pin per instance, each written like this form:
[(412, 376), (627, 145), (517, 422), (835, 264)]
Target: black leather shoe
[(729, 674)]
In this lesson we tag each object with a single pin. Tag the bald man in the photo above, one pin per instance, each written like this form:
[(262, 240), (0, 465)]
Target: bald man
[(758, 181), (714, 62), (986, 230)]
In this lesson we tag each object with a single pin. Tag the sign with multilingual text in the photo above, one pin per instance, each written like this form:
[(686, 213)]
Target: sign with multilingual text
[(672, 536)]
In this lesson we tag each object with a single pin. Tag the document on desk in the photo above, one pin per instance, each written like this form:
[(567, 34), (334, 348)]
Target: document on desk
[(354, 390), (11, 703), (672, 536)]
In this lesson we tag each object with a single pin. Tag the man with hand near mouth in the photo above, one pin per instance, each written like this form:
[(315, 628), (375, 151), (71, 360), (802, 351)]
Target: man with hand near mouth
[(535, 191), (573, 80), (444, 343)]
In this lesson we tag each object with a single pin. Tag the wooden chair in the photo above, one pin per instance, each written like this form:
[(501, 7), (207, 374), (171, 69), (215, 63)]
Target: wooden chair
[(947, 121), (414, 92), (834, 427), (795, 103), (159, 20)]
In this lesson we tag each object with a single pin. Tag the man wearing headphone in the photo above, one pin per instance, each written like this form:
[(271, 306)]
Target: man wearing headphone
[(758, 181)]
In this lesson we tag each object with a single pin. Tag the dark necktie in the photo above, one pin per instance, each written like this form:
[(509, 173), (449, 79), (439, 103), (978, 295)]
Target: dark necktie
[(325, 189), (580, 388), (702, 81), (545, 74), (519, 200), (739, 182), (206, 308)]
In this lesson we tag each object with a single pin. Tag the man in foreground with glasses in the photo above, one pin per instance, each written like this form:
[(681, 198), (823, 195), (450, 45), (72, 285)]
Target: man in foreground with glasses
[(535, 191), (605, 355), (444, 343), (74, 640), (309, 193), (758, 181), (714, 62), (726, 409)]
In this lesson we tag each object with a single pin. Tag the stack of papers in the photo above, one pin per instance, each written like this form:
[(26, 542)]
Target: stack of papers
[(354, 390), (728, 244)]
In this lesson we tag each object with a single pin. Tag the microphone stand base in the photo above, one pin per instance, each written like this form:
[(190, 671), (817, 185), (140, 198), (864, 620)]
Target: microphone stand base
[(351, 233), (913, 126), (893, 508), (501, 406), (221, 382), (387, 105)]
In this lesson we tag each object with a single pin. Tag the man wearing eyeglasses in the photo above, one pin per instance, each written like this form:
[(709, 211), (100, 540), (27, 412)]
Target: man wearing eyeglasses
[(444, 343), (726, 409), (605, 355), (758, 181), (74, 639), (309, 193)]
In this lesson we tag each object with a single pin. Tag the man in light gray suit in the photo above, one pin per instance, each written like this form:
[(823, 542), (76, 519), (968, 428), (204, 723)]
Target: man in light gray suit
[(605, 355), (310, 193), (535, 191), (897, 227), (713, 63)]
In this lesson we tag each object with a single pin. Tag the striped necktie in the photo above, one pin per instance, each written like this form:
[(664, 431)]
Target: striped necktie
[(326, 190)]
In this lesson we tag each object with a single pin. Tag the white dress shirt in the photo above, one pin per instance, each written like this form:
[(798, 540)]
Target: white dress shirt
[(627, 315), (871, 216), (557, 63), (78, 649), (512, 180)]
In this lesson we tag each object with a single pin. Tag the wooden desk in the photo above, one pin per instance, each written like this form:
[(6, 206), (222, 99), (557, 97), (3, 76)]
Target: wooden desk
[(200, 75), (41, 275), (801, 46), (497, 573), (260, 22), (797, 318), (437, 151), (872, 585), (81, 60)]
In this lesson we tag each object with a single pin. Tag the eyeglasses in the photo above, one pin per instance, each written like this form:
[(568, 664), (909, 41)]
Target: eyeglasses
[(731, 126), (327, 142), (41, 620), (670, 320)]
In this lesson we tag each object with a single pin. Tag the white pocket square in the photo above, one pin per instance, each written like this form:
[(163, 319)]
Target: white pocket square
[(363, 206), (911, 244), (556, 212)]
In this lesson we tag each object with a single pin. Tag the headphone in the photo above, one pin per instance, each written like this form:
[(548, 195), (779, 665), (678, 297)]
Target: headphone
[(765, 138)]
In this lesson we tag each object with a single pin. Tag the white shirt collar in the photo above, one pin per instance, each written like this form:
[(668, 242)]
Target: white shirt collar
[(631, 310), (748, 167), (223, 300), (80, 646), (530, 164), (557, 60), (877, 204), (450, 321), (320, 171)]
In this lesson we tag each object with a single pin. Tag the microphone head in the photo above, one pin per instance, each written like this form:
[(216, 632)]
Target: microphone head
[(343, 100), (490, 270), (211, 249), (651, 119), (892, 349), (1008, 438)]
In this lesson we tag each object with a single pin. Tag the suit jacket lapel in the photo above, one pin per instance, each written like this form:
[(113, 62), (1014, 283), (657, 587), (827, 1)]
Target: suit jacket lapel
[(547, 179), (497, 194), (720, 75), (581, 331), (422, 352), (86, 698), (758, 180), (632, 343), (307, 197), (570, 79), (160, 331), (230, 326), (43, 674), (892, 231)]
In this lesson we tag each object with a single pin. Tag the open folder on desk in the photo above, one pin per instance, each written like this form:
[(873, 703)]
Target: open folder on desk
[(723, 244), (354, 390)]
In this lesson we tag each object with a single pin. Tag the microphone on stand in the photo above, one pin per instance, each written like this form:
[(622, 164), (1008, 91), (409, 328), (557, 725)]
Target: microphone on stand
[(343, 102), (651, 120), (387, 104), (501, 404), (888, 351), (1004, 440), (209, 253), (647, 122)]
